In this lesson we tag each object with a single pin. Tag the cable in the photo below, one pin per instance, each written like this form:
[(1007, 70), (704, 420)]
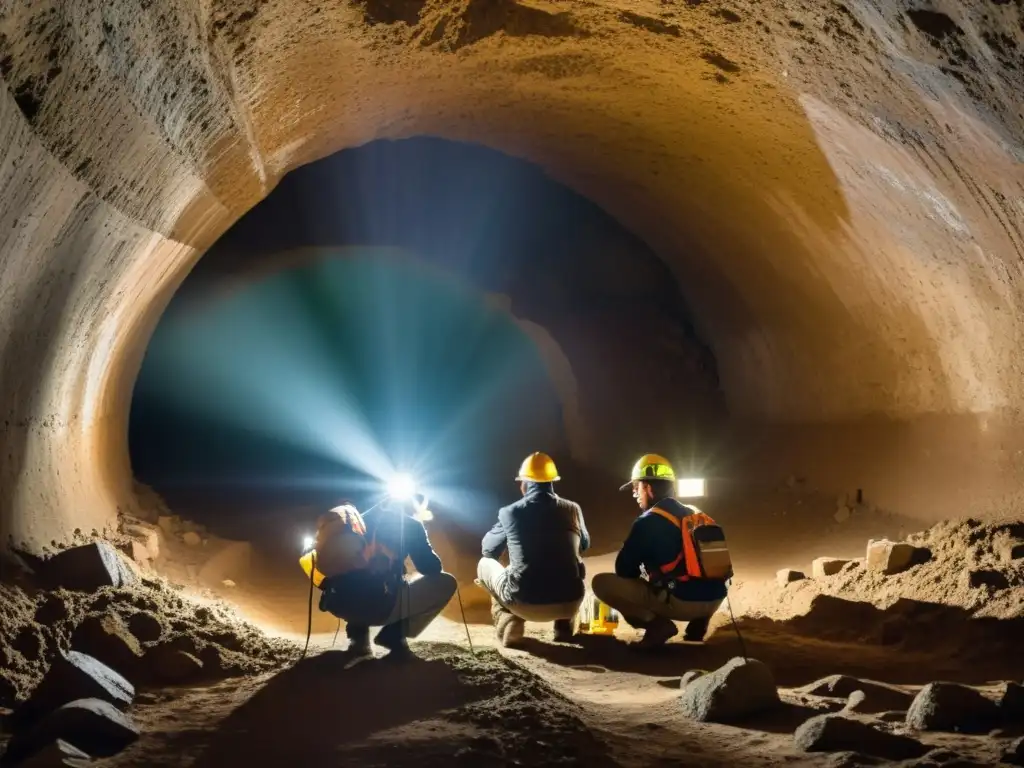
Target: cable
[(309, 618), (736, 627), (464, 622), (335, 640)]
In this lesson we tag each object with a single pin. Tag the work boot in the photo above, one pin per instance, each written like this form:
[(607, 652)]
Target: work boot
[(695, 630), (657, 633), (563, 630), (507, 626), (392, 637), (359, 648)]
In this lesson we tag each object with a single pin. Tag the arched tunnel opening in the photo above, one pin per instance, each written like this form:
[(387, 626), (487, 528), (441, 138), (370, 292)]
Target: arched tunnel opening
[(257, 257)]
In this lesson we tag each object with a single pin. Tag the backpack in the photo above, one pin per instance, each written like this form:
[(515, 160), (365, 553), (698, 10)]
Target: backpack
[(704, 553), (344, 546)]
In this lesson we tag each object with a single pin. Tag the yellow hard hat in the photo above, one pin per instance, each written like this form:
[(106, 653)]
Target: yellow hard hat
[(538, 468), (650, 467)]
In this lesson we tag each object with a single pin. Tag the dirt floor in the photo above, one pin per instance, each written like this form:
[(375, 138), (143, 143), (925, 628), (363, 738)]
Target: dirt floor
[(593, 700)]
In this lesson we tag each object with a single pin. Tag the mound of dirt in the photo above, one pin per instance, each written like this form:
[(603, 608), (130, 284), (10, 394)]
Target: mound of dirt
[(445, 707), (149, 617)]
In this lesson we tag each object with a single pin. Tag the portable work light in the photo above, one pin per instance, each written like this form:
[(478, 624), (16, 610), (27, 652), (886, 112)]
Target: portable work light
[(691, 488)]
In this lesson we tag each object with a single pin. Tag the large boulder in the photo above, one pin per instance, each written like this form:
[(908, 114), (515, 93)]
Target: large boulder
[(827, 566), (877, 697), (92, 725), (74, 676), (890, 557), (106, 637), (58, 754), (951, 707), (739, 689), (88, 568), (835, 733)]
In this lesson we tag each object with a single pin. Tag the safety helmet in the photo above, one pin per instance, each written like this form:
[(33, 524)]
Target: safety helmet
[(538, 468), (650, 467)]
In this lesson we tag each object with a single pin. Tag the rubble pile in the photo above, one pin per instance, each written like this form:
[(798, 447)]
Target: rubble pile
[(968, 564), (92, 629)]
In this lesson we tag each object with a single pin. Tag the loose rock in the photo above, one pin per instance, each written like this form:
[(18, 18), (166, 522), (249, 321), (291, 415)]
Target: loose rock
[(788, 576), (890, 557), (74, 676), (739, 689), (192, 538), (59, 754), (88, 568), (877, 697), (169, 665), (92, 725), (107, 639), (689, 677), (951, 707), (835, 733), (827, 566)]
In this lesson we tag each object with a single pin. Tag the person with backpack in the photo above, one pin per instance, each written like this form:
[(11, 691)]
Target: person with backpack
[(673, 566), (362, 558), (544, 535)]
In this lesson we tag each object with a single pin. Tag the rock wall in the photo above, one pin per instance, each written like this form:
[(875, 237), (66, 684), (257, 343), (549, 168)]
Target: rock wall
[(837, 187)]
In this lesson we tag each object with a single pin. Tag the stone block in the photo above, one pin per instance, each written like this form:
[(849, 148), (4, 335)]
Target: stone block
[(88, 568), (827, 566)]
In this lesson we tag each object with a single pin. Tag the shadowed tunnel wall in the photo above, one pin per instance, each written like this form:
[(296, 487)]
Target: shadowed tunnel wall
[(839, 199)]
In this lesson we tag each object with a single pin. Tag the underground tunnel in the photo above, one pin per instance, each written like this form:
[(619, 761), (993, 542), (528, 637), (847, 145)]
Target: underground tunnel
[(779, 244)]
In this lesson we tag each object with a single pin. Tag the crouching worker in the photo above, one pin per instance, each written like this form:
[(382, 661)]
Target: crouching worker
[(681, 550), (544, 535), (362, 558)]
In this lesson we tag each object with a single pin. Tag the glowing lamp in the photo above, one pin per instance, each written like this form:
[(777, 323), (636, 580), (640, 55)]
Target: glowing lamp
[(307, 543), (690, 487), (401, 486)]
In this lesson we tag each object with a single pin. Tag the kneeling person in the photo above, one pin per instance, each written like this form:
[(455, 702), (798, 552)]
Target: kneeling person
[(686, 579), (362, 558), (544, 535)]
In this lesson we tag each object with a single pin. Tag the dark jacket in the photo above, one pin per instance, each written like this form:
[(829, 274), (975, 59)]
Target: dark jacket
[(652, 542), (367, 598), (544, 535)]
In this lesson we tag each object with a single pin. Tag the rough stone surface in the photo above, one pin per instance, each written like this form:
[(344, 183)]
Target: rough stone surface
[(734, 691), (813, 222), (988, 578), (145, 626), (827, 566), (145, 540), (170, 665), (951, 707), (1011, 551), (73, 676), (107, 639), (835, 733), (88, 568), (92, 725), (788, 576), (690, 676), (891, 557), (58, 754), (876, 697)]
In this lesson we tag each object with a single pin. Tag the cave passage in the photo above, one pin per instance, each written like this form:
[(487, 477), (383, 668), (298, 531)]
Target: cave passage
[(423, 306)]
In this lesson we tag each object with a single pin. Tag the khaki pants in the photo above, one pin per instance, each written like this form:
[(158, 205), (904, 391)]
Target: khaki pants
[(418, 603), (639, 603), (492, 574)]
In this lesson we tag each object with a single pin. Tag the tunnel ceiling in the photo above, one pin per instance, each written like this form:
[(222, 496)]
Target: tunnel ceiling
[(836, 187)]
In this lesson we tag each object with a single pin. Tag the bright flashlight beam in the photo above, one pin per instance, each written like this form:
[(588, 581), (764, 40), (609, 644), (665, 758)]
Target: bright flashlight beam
[(691, 487), (307, 543), (401, 486)]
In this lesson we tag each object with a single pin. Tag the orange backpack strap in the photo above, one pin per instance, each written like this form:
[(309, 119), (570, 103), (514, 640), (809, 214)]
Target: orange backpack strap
[(687, 565)]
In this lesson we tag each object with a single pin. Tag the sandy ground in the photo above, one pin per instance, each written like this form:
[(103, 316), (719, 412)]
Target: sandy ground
[(594, 699)]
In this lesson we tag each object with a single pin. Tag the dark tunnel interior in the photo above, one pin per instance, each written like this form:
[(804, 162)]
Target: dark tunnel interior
[(344, 325)]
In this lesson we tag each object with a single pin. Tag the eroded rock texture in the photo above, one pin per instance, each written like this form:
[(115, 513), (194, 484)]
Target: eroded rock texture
[(836, 186)]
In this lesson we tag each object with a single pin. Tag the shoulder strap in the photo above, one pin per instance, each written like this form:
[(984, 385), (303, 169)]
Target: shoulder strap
[(668, 516)]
